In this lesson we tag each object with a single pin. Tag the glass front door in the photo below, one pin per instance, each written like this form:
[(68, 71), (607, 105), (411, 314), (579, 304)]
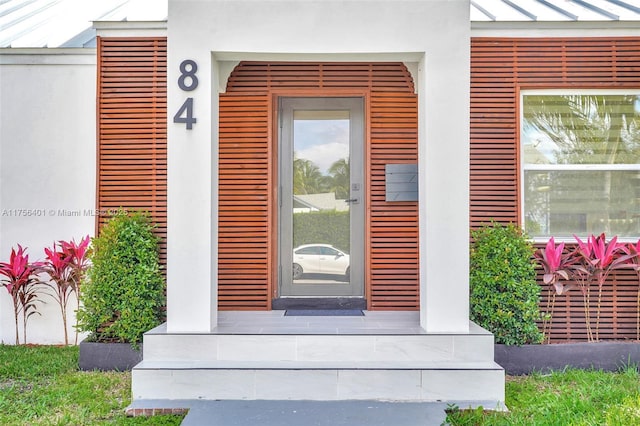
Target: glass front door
[(321, 197)]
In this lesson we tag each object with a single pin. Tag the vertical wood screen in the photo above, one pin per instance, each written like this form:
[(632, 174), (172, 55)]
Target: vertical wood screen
[(500, 67), (248, 158), (132, 129)]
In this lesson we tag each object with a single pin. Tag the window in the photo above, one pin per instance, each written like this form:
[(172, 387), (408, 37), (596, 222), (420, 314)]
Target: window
[(328, 251), (309, 250), (581, 163)]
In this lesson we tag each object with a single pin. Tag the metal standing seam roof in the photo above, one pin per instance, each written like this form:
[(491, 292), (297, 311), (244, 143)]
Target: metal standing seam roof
[(69, 23), (555, 10)]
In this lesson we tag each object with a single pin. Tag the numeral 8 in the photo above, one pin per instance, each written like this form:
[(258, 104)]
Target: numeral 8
[(189, 73)]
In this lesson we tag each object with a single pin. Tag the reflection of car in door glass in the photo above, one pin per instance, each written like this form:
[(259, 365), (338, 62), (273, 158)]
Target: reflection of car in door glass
[(319, 259)]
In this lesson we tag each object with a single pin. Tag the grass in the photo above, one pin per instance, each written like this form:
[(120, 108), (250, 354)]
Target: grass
[(41, 385), (572, 397)]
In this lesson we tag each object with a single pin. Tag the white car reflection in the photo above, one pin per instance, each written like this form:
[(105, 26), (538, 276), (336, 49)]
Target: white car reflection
[(319, 259)]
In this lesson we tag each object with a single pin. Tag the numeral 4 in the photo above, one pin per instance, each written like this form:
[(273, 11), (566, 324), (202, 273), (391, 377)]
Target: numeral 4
[(187, 110)]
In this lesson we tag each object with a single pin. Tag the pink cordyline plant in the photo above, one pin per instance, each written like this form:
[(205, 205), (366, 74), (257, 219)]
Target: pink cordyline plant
[(590, 262), (57, 266), (66, 263), (582, 275), (555, 266), (21, 284), (79, 253), (553, 262), (599, 258)]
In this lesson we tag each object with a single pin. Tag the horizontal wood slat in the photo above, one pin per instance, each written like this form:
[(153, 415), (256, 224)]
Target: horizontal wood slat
[(267, 76), (243, 223), (500, 67), (393, 227), (247, 156), (132, 129)]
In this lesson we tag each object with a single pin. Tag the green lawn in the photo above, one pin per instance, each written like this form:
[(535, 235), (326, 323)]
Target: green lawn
[(572, 397), (41, 385)]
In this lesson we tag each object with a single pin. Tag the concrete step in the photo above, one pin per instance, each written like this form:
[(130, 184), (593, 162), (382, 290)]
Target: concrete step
[(315, 347), (279, 413), (268, 356), (323, 381)]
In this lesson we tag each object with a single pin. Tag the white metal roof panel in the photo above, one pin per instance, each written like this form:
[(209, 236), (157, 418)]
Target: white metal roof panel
[(548, 10), (555, 10), (69, 23), (499, 10)]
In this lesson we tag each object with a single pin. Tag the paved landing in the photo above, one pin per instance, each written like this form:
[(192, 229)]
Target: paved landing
[(276, 322), (306, 413)]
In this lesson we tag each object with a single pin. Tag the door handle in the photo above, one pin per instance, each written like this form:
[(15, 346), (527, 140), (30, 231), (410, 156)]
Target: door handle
[(352, 200)]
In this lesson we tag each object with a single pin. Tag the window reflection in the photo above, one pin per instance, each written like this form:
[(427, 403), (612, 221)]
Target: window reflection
[(581, 164), (321, 184)]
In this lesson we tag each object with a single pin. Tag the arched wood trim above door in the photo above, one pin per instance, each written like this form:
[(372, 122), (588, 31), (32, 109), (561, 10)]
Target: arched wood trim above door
[(247, 197)]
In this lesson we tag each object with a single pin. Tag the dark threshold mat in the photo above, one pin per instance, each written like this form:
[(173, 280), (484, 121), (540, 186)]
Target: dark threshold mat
[(323, 313)]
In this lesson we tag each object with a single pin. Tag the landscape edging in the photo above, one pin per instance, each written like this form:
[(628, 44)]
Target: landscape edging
[(607, 356)]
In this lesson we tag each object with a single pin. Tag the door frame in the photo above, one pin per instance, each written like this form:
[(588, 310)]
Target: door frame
[(358, 236)]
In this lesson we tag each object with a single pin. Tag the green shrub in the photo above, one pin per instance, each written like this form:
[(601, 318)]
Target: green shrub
[(123, 295), (504, 293)]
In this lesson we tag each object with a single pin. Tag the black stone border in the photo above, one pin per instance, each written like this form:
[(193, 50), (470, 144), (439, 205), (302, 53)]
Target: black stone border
[(108, 356), (607, 356)]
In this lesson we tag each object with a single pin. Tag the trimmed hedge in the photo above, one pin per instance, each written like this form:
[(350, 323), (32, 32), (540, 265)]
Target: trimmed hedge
[(504, 293), (123, 295), (323, 227)]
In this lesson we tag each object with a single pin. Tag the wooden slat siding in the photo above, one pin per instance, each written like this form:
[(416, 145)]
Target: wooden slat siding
[(494, 172), (244, 202), (500, 68), (246, 267), (393, 239), (132, 128)]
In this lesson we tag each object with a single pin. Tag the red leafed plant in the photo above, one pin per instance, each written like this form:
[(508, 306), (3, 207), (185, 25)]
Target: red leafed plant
[(21, 283), (66, 263), (555, 265), (590, 262), (600, 258)]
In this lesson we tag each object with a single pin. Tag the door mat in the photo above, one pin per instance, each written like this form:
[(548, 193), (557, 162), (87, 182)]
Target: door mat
[(323, 313)]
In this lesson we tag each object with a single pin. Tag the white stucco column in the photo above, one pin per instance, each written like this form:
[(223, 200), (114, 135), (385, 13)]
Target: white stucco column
[(443, 157), (192, 284)]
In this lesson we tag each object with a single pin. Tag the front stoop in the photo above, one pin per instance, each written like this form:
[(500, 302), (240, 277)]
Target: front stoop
[(302, 366), (319, 381), (318, 413)]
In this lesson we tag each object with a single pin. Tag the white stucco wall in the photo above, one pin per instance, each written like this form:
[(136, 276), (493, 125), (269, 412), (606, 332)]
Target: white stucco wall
[(434, 33), (47, 164)]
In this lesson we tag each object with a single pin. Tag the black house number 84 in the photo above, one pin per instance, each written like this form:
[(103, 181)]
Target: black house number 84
[(187, 82)]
